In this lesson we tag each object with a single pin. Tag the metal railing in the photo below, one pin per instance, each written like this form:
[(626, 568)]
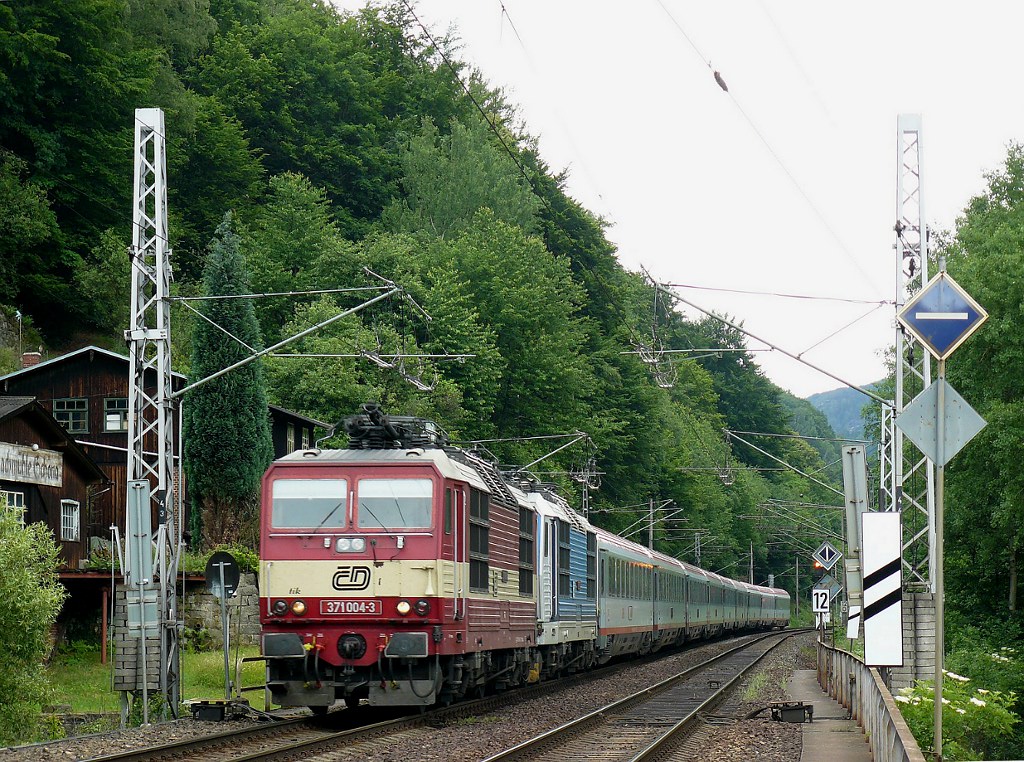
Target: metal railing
[(860, 689)]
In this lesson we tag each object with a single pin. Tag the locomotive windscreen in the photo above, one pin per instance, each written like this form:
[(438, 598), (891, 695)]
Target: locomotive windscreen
[(309, 503), (395, 503)]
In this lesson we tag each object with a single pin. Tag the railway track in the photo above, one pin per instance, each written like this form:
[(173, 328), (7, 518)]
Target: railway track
[(306, 737), (651, 724)]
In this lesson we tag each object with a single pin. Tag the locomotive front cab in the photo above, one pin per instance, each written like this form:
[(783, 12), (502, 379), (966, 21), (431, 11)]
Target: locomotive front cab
[(353, 545)]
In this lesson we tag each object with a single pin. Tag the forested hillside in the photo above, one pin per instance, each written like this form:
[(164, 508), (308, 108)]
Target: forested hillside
[(342, 144)]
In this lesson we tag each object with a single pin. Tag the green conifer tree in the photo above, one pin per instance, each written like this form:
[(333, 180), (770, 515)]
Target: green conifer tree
[(227, 443)]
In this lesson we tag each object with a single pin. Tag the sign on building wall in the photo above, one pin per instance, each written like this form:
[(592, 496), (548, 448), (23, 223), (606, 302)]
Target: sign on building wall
[(23, 464)]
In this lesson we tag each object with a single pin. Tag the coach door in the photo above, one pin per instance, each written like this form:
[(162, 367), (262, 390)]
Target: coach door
[(655, 579), (547, 595)]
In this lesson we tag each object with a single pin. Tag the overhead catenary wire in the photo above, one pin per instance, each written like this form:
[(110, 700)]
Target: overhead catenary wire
[(782, 295), (809, 364), (720, 81)]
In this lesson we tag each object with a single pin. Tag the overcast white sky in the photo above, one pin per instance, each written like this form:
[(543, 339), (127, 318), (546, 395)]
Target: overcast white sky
[(619, 96)]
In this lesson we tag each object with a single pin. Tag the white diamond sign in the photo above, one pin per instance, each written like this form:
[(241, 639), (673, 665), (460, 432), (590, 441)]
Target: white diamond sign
[(827, 555)]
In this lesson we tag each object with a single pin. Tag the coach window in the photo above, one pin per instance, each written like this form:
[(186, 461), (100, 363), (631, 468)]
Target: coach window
[(308, 503), (479, 539), (526, 534)]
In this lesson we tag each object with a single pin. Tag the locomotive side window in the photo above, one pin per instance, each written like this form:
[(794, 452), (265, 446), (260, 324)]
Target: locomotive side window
[(479, 539), (564, 583), (526, 533), (308, 503), (448, 511), (395, 503)]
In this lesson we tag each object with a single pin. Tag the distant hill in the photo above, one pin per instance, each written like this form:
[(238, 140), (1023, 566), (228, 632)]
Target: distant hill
[(842, 409), (808, 421)]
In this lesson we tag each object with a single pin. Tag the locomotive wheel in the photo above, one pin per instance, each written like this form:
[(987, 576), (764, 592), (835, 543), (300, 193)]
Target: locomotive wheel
[(352, 702), (319, 711)]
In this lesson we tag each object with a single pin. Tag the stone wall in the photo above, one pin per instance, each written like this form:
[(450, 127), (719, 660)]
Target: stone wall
[(918, 640), (201, 610)]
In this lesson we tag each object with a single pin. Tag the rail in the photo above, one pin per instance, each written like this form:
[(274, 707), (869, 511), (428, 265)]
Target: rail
[(860, 689)]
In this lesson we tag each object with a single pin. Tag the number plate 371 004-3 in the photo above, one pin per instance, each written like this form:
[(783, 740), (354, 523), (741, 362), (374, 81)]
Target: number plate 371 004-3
[(351, 606)]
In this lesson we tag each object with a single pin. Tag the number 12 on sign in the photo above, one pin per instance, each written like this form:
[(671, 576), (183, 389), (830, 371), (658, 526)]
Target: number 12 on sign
[(819, 600)]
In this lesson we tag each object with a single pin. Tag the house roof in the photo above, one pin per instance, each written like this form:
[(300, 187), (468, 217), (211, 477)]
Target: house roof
[(13, 407), (292, 414), (65, 357), (125, 359)]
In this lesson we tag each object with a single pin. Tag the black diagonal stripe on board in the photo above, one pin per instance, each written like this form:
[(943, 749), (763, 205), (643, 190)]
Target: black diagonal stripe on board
[(879, 574), (854, 614), (882, 604)]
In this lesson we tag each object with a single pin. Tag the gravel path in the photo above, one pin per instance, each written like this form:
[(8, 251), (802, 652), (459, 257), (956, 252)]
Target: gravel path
[(477, 738)]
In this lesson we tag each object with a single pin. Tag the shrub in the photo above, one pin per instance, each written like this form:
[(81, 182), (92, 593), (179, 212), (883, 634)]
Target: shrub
[(977, 722), (248, 559), (31, 596)]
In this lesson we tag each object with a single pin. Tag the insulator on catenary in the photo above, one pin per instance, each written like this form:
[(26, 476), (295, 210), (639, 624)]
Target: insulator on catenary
[(721, 82)]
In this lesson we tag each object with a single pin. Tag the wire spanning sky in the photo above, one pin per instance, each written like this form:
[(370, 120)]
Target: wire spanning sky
[(785, 181)]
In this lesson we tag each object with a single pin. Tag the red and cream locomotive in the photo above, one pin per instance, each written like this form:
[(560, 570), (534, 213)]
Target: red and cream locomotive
[(407, 572)]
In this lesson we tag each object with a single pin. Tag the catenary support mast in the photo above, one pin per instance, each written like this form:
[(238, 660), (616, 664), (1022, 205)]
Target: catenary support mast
[(151, 422), (907, 477)]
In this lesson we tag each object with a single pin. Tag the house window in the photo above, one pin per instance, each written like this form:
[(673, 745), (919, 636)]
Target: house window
[(72, 414), (69, 520), (479, 539), (305, 438), (289, 443), (16, 501), (115, 414), (526, 533)]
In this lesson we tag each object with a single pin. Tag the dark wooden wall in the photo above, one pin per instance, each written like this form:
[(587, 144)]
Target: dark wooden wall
[(42, 503)]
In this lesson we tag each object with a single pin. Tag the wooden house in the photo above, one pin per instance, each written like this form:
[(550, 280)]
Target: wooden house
[(46, 475), (86, 391)]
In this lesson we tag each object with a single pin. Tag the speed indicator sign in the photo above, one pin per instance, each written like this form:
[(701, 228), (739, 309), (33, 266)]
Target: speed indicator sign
[(819, 600)]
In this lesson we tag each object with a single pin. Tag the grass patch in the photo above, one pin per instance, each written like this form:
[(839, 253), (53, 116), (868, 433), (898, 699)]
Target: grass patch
[(755, 687), (80, 681)]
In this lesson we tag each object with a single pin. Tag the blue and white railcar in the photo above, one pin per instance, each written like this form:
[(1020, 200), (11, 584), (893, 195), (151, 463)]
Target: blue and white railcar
[(567, 585)]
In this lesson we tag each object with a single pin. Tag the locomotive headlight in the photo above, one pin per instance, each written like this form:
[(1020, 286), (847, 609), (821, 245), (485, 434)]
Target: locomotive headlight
[(422, 607), (403, 608), (298, 608), (280, 607), (350, 545)]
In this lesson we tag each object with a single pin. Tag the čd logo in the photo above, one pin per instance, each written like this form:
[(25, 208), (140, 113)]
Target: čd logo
[(351, 578)]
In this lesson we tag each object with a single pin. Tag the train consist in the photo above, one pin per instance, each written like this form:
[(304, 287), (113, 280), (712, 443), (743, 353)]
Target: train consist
[(408, 572)]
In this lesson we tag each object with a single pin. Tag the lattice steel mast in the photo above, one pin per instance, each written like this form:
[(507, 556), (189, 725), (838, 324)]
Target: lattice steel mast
[(907, 476), (151, 411)]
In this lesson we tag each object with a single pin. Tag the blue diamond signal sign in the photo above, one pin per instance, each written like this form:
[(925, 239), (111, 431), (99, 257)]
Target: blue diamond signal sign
[(942, 316)]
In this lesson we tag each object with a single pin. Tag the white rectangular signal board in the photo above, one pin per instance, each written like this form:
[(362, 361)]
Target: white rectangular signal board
[(819, 600)]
